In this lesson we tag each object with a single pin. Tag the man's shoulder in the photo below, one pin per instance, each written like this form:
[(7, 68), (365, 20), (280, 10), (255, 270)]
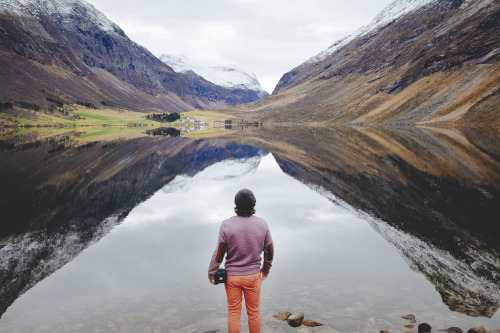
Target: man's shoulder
[(259, 220), (232, 218)]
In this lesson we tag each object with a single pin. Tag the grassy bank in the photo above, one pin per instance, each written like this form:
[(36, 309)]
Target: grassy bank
[(104, 124)]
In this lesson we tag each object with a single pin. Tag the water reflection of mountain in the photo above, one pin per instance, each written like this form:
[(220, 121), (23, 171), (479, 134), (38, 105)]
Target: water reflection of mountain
[(437, 192), (56, 199)]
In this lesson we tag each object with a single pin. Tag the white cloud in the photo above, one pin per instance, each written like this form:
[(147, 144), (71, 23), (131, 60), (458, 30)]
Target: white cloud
[(217, 32), (267, 37)]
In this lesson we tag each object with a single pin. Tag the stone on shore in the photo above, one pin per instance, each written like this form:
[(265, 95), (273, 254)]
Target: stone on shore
[(453, 330), (424, 328), (311, 323), (410, 317), (295, 320), (282, 315), (477, 329)]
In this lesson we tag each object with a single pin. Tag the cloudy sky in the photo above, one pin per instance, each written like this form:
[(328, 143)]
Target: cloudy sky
[(266, 37)]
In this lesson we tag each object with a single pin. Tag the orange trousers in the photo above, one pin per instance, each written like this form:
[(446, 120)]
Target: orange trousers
[(249, 286)]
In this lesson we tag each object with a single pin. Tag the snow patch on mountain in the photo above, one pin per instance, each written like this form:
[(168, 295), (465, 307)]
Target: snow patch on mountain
[(229, 77), (394, 10), (62, 8)]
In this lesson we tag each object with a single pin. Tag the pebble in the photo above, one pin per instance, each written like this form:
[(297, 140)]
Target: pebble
[(424, 328), (477, 329), (282, 315), (311, 323), (453, 330), (295, 320), (410, 317)]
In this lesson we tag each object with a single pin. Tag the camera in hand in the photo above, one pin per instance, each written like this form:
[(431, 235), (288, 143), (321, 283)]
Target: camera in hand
[(220, 276)]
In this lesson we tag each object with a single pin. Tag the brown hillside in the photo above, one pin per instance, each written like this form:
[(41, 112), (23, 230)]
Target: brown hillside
[(431, 66), (77, 54)]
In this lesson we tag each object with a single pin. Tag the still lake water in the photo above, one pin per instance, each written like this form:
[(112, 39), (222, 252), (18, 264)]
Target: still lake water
[(139, 262)]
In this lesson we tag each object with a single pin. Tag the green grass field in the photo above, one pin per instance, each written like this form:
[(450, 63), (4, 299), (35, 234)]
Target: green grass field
[(103, 124)]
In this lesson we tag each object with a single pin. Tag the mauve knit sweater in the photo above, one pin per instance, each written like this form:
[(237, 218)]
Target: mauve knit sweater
[(246, 239)]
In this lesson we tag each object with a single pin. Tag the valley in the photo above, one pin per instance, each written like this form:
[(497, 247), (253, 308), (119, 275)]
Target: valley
[(376, 163)]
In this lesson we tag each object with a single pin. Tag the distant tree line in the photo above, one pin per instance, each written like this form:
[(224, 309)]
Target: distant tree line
[(164, 117), (86, 104), (29, 106), (106, 103), (5, 105), (164, 131), (56, 102)]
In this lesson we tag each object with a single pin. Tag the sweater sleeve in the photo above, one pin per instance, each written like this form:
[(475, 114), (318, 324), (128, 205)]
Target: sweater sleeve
[(214, 265), (268, 252)]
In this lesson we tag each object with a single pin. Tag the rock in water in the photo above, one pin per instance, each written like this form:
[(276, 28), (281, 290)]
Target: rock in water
[(477, 329), (282, 315), (295, 320), (453, 330), (424, 328), (410, 317), (311, 323)]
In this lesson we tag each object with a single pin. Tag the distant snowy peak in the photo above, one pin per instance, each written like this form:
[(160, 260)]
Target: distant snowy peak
[(64, 9), (179, 63), (394, 10), (229, 77)]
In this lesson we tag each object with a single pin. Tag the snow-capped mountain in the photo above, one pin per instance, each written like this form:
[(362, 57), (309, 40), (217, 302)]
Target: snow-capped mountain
[(229, 77), (69, 51), (394, 10), (64, 9), (361, 78)]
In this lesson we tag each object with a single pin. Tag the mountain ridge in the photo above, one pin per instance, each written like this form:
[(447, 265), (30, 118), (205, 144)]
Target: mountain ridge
[(225, 76), (430, 66), (390, 13), (70, 51)]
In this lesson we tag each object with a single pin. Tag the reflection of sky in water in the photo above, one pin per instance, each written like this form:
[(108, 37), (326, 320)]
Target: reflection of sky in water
[(150, 271)]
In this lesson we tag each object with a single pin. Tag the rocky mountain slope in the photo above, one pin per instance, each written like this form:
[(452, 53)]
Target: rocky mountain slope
[(69, 51), (438, 62), (229, 77)]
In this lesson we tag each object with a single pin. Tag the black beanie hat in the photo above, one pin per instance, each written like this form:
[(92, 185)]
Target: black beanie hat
[(244, 199)]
